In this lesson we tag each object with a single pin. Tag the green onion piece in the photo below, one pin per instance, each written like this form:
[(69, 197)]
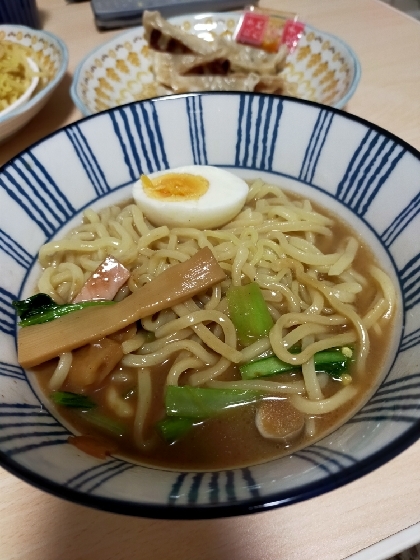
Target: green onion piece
[(265, 367), (197, 402), (249, 313), (72, 400), (103, 422), (332, 361), (41, 308), (150, 336), (173, 428)]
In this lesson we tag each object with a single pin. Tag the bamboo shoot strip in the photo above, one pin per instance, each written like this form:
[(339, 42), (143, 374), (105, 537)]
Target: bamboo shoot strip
[(39, 343)]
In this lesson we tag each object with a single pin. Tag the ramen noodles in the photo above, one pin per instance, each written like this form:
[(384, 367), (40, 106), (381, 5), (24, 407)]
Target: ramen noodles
[(279, 348)]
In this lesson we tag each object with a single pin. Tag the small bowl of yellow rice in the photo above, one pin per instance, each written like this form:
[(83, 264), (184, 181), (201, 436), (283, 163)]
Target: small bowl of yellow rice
[(32, 64)]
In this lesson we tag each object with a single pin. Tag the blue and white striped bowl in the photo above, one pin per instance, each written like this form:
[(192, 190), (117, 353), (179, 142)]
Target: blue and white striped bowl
[(361, 172)]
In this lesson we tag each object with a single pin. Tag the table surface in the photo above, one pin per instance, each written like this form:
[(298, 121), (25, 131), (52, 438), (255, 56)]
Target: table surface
[(38, 526)]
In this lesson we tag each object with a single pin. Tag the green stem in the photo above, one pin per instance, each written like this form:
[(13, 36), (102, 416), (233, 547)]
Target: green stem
[(173, 428), (103, 422), (249, 313), (332, 361), (199, 403), (72, 400), (41, 308)]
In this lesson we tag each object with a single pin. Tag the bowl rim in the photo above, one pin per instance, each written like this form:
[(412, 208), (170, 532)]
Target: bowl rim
[(252, 504), (340, 104), (210, 511), (54, 82)]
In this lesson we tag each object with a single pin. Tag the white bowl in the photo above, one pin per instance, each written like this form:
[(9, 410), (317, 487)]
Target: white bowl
[(361, 172), (324, 67), (50, 55)]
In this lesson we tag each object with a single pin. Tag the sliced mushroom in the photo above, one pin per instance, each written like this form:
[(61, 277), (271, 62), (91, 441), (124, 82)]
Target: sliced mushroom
[(278, 419)]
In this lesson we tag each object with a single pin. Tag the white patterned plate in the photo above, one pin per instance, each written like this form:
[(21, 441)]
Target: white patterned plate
[(325, 69)]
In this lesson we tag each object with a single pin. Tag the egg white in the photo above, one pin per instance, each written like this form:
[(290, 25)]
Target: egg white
[(223, 200)]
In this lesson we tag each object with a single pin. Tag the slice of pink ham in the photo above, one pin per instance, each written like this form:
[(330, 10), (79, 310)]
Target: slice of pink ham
[(105, 282)]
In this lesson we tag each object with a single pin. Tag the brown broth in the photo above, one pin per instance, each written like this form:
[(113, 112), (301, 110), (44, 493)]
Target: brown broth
[(232, 439), (229, 440)]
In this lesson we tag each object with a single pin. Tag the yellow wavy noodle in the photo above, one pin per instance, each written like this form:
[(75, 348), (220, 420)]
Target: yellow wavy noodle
[(120, 406), (61, 371), (144, 399), (277, 241)]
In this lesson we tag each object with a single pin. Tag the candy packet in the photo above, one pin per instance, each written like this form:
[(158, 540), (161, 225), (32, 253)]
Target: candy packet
[(269, 29)]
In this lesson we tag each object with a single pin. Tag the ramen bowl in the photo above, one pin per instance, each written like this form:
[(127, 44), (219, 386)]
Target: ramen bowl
[(49, 53), (322, 68), (362, 173)]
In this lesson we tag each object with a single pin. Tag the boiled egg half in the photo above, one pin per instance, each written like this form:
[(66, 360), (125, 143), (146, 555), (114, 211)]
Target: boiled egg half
[(199, 196)]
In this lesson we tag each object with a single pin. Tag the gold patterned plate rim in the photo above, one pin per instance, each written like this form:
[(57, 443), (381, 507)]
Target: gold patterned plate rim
[(136, 34)]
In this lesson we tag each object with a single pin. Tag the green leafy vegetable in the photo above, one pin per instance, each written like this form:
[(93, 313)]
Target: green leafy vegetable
[(88, 411), (249, 313), (200, 403), (103, 422), (72, 400), (173, 428), (149, 336), (41, 308), (332, 361)]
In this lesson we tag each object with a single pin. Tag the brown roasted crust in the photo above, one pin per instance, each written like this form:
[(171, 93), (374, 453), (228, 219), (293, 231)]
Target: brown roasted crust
[(184, 62), (166, 37)]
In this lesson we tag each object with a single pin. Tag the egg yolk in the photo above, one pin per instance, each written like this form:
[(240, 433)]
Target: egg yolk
[(175, 186)]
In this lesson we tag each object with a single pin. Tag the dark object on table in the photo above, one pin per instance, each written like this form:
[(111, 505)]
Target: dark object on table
[(110, 14), (19, 12)]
